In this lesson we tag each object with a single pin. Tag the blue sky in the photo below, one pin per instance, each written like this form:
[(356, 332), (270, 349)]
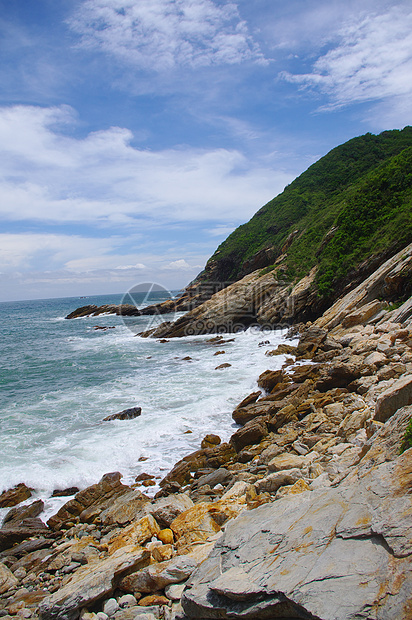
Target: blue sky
[(135, 135)]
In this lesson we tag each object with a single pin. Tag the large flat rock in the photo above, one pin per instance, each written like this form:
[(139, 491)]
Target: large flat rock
[(332, 554)]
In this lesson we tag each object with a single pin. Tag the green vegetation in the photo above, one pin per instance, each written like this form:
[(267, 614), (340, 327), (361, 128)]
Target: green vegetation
[(407, 440), (351, 205)]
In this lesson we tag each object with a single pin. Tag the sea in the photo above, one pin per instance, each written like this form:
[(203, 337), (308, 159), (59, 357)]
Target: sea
[(59, 378)]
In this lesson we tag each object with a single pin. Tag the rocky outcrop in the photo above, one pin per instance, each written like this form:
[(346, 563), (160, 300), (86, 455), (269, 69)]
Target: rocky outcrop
[(14, 496), (329, 554)]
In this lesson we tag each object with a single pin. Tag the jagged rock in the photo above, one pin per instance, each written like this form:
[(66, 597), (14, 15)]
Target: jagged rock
[(157, 576), (269, 379), (137, 533), (98, 495), (65, 492), (387, 280), (17, 515), (14, 496), (253, 432), (13, 533), (126, 414), (7, 579), (324, 554), (398, 395), (122, 510), (242, 415), (310, 342), (93, 582)]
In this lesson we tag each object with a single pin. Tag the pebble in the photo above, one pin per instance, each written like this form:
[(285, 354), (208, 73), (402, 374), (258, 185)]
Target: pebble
[(110, 606), (128, 600)]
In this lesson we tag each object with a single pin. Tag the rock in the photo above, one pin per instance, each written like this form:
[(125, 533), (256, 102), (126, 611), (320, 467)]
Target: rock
[(124, 509), (242, 415), (162, 553), (219, 476), (221, 366), (363, 314), (92, 582), (18, 514), (137, 533), (376, 358), (174, 591), (269, 379), (398, 395), (273, 482), (330, 553), (127, 600), (195, 525), (153, 599), (282, 349), (126, 414), (252, 398), (7, 579), (14, 496), (14, 533), (166, 509), (252, 433), (209, 441), (166, 536), (353, 422), (97, 495), (65, 492), (158, 576), (287, 461), (310, 341), (110, 606)]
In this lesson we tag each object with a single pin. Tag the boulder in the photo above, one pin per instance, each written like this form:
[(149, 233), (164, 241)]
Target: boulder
[(398, 395), (13, 533), (137, 533), (14, 496), (91, 583), (331, 553), (210, 441), (252, 433)]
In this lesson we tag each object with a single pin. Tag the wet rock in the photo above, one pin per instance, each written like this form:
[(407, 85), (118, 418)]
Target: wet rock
[(222, 366), (18, 514), (126, 414), (14, 496), (65, 492)]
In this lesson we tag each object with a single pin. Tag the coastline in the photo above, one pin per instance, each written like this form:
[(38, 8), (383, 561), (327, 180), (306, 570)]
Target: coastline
[(300, 476)]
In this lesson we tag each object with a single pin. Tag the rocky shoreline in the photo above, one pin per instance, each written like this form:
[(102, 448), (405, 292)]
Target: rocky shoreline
[(304, 513)]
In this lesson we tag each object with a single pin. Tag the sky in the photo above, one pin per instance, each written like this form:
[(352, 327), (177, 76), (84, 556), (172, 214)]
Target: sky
[(135, 135)]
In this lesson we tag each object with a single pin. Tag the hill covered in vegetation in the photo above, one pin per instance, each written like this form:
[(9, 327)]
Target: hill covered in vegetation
[(351, 206)]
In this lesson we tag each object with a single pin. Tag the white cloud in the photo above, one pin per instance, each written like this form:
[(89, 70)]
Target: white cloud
[(163, 34), (103, 179), (372, 61), (180, 264)]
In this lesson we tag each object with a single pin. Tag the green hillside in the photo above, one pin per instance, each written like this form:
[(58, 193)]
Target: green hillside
[(351, 205)]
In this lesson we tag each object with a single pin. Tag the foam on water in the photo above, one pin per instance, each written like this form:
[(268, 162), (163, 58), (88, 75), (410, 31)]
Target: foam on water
[(52, 434)]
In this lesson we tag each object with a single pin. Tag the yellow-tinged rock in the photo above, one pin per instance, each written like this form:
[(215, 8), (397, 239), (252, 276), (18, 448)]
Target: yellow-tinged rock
[(195, 525), (299, 487), (154, 599), (166, 536), (162, 553), (136, 533)]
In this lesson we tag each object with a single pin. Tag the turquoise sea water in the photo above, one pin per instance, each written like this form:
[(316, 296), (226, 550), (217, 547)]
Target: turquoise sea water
[(59, 378)]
